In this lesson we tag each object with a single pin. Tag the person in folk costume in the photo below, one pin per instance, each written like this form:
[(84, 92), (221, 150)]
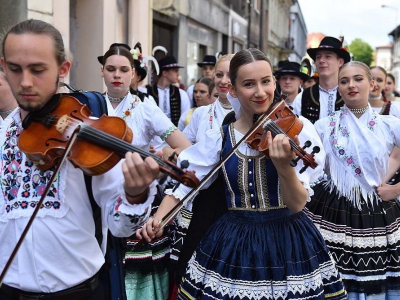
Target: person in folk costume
[(202, 97), (361, 230), (290, 79), (212, 115), (173, 101), (207, 70), (203, 119), (321, 100), (7, 99), (264, 247), (390, 93), (146, 267), (377, 97), (140, 72), (60, 256)]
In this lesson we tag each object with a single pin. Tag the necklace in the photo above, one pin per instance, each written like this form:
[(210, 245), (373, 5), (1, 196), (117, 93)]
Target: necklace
[(358, 110), (375, 98), (225, 106), (6, 112), (116, 100)]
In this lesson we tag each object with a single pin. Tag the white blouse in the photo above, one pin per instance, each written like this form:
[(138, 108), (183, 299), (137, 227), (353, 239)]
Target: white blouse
[(205, 154), (205, 118)]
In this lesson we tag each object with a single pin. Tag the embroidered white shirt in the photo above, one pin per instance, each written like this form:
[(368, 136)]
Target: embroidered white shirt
[(163, 101), (60, 250), (327, 99), (205, 118)]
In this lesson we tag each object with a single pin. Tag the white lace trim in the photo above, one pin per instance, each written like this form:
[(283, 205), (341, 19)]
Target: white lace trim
[(260, 289)]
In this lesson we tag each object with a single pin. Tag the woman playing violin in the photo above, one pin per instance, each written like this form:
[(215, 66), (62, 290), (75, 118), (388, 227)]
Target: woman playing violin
[(361, 230), (264, 247)]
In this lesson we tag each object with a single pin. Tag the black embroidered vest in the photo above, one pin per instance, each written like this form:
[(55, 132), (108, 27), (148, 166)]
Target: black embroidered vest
[(310, 106), (138, 93), (174, 101)]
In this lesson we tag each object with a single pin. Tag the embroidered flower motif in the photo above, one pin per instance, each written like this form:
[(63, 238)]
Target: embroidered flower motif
[(351, 161), (13, 167), (56, 204), (24, 204), (22, 179)]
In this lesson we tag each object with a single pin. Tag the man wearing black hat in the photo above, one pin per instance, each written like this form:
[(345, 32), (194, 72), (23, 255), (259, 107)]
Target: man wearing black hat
[(172, 100), (207, 70), (323, 99), (290, 78)]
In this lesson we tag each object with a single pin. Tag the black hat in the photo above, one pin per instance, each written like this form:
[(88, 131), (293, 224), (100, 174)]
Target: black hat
[(100, 58), (168, 62), (330, 44), (292, 68), (208, 60)]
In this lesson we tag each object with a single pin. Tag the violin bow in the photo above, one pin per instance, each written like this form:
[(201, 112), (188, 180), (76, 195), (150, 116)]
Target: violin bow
[(175, 210), (38, 205)]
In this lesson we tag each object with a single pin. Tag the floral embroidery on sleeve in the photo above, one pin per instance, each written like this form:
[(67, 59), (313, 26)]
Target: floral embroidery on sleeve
[(168, 132)]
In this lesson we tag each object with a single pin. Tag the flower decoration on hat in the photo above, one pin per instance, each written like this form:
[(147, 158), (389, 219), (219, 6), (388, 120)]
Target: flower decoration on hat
[(137, 55)]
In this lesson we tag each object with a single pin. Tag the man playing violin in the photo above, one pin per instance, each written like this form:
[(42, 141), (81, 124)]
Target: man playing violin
[(60, 256)]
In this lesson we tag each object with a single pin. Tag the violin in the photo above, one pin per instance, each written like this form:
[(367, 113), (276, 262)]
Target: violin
[(100, 143), (280, 119)]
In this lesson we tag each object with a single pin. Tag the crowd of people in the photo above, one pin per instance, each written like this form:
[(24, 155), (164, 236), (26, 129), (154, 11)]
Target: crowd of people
[(265, 224)]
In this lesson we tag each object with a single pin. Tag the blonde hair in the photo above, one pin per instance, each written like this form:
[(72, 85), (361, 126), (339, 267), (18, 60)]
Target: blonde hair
[(226, 57), (359, 64)]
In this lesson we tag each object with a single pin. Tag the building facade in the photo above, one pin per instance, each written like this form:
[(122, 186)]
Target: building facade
[(187, 29)]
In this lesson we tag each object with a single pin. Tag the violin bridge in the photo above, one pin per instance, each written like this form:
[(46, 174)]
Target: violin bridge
[(63, 123)]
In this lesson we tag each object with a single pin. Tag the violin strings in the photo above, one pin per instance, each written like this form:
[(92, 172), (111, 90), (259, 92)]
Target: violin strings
[(277, 130), (111, 140), (125, 146)]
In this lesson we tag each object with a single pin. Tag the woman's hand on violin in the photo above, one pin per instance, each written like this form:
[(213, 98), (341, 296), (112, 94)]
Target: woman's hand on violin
[(150, 230), (280, 150), (138, 174)]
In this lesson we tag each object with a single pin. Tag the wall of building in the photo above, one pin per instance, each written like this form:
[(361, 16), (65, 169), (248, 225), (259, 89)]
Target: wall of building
[(298, 31)]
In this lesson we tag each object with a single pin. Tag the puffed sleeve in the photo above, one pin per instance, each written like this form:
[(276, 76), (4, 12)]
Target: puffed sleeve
[(118, 215), (155, 121), (202, 157), (297, 104), (310, 175), (191, 129)]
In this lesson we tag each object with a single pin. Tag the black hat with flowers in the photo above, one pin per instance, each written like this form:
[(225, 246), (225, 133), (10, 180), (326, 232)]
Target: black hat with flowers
[(291, 68), (136, 52), (140, 66), (329, 43), (208, 60), (168, 62)]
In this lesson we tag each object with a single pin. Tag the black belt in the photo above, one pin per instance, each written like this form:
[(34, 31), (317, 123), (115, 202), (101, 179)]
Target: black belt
[(81, 291)]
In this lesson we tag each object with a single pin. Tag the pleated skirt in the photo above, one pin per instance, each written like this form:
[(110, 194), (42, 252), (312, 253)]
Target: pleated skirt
[(262, 255), (365, 243)]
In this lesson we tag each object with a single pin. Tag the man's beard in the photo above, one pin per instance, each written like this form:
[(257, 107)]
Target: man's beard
[(32, 107)]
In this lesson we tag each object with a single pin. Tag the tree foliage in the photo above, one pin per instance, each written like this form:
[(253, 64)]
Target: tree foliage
[(361, 51)]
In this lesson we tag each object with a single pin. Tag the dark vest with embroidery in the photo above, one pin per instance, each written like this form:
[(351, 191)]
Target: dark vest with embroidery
[(174, 101), (310, 106), (138, 93)]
